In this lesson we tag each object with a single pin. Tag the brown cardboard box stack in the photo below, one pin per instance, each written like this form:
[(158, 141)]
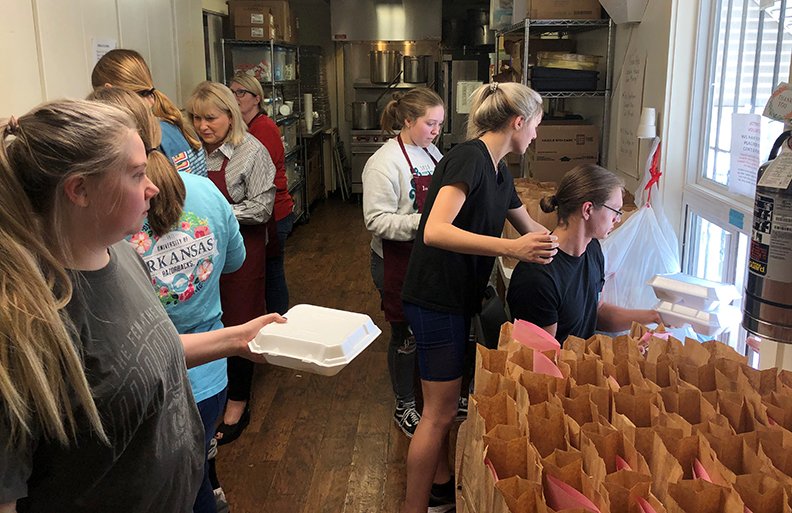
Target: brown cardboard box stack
[(262, 19), (560, 146), (557, 9), (636, 424)]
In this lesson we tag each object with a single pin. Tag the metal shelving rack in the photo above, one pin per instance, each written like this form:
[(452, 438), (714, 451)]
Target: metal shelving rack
[(298, 152), (564, 29)]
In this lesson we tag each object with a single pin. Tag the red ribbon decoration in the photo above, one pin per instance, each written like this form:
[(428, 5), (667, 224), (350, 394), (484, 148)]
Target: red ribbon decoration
[(654, 171)]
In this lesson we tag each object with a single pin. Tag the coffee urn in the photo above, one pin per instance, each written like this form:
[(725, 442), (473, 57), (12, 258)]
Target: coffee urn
[(767, 309)]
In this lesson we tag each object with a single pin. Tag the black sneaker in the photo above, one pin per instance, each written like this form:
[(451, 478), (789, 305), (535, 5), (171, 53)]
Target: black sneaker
[(441, 504), (462, 408), (407, 418)]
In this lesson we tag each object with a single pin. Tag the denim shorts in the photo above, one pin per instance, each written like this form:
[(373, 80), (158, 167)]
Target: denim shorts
[(441, 339)]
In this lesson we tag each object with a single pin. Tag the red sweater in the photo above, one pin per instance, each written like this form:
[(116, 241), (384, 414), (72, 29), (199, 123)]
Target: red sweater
[(266, 131)]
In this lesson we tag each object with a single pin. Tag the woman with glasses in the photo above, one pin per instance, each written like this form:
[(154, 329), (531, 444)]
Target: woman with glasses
[(470, 197), (395, 181), (563, 296), (242, 169), (127, 69), (250, 97)]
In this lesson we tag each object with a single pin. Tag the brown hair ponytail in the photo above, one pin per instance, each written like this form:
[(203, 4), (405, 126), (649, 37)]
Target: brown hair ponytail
[(166, 207), (127, 69), (410, 105)]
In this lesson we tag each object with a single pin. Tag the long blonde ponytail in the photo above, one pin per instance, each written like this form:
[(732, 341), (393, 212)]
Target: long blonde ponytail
[(43, 387)]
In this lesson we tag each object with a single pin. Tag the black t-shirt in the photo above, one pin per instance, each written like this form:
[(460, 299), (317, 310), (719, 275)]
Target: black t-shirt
[(454, 282), (565, 291)]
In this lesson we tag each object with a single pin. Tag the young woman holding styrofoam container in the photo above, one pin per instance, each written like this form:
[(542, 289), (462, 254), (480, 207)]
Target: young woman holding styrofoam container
[(470, 197), (94, 396)]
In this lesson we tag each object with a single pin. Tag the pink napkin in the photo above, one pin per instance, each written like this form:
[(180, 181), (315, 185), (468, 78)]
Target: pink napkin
[(699, 472), (534, 337), (563, 496), (544, 365), (645, 506), (621, 464)]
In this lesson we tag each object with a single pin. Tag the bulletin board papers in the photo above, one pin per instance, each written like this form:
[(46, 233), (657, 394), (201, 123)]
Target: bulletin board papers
[(464, 90), (630, 102), (779, 106), (745, 148)]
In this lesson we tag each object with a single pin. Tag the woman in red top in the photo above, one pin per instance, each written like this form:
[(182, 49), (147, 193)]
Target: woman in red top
[(250, 97)]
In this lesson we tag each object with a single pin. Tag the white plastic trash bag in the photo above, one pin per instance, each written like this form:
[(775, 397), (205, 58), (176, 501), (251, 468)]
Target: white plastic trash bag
[(645, 245)]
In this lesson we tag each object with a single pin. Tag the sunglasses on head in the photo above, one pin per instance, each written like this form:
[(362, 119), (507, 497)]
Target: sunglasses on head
[(145, 93)]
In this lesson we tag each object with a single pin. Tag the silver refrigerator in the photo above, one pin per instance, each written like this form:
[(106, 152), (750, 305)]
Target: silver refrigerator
[(456, 80)]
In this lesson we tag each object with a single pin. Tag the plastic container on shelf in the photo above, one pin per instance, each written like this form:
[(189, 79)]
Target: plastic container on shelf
[(290, 65), (255, 61), (567, 60), (710, 323), (315, 339), (279, 63), (693, 292), (560, 79)]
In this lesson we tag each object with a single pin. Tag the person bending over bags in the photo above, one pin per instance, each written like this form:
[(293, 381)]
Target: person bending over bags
[(563, 297)]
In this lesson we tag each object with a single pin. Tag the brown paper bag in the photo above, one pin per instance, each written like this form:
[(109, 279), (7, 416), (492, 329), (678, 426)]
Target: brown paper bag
[(580, 408), (498, 409), (699, 496), (610, 444), (688, 403), (639, 405), (662, 373), (602, 346), (779, 409), (520, 496), (574, 345), (663, 465), (762, 493), (625, 486), (540, 387), (601, 397), (629, 373), (692, 451), (626, 348), (718, 350), (548, 427), (567, 485)]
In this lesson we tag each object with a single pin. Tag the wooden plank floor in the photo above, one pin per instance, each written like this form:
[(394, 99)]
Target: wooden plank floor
[(322, 444)]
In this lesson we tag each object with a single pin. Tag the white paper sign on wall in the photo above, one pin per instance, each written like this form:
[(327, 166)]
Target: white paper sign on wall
[(744, 154), (101, 46)]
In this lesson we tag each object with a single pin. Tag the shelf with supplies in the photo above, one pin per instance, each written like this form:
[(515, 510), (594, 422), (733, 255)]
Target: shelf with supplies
[(569, 62), (275, 64)]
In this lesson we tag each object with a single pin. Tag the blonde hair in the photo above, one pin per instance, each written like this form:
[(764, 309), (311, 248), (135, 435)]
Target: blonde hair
[(127, 69), (208, 95), (410, 105), (42, 380), (252, 85), (586, 182), (494, 105), (166, 207)]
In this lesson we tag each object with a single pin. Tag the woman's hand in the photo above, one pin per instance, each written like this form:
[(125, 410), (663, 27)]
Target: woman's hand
[(248, 331), (536, 247)]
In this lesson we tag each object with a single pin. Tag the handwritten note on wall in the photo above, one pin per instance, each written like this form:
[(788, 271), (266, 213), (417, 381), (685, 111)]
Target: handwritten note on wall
[(630, 102), (745, 142)]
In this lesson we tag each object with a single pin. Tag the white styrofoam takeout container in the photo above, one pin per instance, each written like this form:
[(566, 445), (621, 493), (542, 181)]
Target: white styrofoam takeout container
[(693, 292), (709, 324), (315, 339)]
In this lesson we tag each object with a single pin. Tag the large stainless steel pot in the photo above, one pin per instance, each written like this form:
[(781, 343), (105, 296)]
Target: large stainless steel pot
[(384, 65), (416, 68), (364, 115)]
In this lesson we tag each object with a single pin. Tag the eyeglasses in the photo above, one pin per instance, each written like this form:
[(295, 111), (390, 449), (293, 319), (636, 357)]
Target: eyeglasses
[(618, 213), (145, 93), (240, 93)]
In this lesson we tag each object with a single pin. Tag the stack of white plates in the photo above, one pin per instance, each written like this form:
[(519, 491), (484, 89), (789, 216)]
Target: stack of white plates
[(702, 304)]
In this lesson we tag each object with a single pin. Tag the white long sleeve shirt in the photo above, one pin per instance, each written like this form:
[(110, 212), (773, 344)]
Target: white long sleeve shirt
[(388, 205)]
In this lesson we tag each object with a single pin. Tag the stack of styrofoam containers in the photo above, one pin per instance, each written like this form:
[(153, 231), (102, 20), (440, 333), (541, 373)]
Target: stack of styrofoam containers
[(315, 339), (702, 304)]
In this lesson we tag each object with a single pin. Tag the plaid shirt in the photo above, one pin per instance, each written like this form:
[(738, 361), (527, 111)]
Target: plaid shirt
[(250, 178)]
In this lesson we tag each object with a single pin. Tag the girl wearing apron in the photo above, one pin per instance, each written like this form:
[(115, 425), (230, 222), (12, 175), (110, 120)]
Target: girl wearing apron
[(395, 181), (243, 171)]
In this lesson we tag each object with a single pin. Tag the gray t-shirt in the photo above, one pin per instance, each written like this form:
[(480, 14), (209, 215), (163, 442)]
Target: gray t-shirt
[(134, 361)]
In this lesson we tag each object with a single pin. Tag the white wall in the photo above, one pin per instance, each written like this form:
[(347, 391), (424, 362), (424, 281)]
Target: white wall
[(665, 37), (46, 46)]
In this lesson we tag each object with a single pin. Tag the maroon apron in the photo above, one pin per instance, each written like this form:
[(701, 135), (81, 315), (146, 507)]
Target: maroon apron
[(242, 294), (396, 254)]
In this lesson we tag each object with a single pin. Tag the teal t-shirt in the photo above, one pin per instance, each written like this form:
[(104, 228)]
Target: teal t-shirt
[(185, 266), (183, 156)]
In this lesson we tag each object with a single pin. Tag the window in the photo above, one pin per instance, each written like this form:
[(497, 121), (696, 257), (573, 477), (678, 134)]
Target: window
[(744, 52)]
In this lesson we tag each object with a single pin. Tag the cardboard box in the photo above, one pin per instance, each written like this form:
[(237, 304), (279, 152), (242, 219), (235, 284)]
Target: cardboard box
[(556, 10), (559, 147), (245, 13), (255, 32)]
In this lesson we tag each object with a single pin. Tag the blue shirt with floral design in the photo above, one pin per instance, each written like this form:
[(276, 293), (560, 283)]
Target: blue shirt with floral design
[(185, 265)]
